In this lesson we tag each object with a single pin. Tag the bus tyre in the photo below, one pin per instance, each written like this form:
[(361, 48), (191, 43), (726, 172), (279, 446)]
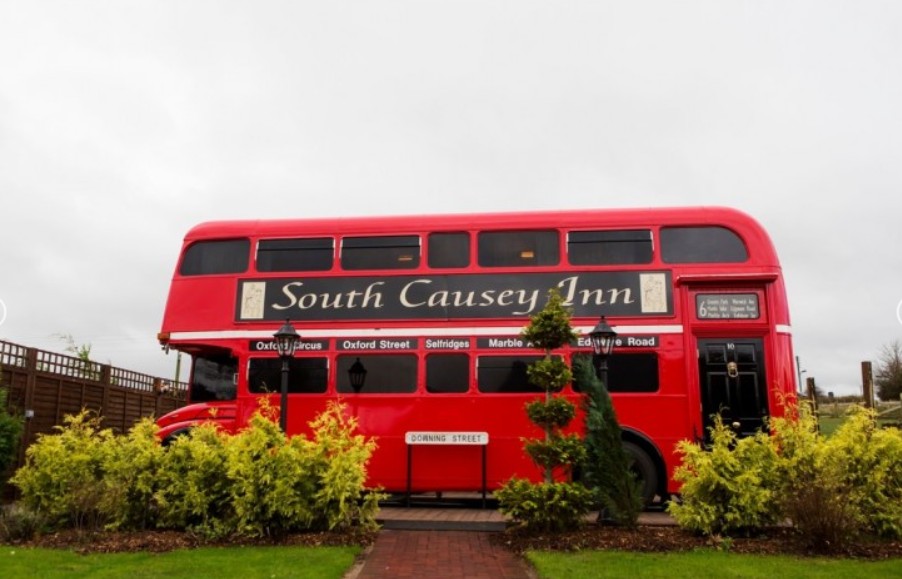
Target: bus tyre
[(643, 467), (173, 435)]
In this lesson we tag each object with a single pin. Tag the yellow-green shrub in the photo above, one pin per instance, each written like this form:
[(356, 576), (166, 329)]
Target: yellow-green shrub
[(729, 488), (341, 459), (193, 491), (830, 489), (869, 460), (132, 477), (253, 483), (268, 483), (278, 486), (63, 476), (813, 493)]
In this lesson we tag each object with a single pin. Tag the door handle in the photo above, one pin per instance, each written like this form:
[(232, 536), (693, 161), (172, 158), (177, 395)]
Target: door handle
[(732, 370)]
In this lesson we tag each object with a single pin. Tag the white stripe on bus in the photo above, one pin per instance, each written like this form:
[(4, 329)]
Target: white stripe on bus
[(404, 332)]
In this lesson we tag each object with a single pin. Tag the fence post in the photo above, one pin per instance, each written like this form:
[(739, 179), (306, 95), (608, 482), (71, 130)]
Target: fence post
[(31, 369), (867, 384), (812, 393)]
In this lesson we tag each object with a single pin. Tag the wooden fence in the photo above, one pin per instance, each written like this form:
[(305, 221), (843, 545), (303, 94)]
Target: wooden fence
[(45, 386)]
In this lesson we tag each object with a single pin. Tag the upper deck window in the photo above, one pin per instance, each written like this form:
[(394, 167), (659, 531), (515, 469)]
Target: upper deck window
[(220, 256), (609, 247), (447, 250), (399, 252), (518, 248), (711, 244), (295, 254)]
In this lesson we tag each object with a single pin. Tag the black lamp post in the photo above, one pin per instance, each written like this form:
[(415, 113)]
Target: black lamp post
[(287, 340), (602, 336), (357, 375)]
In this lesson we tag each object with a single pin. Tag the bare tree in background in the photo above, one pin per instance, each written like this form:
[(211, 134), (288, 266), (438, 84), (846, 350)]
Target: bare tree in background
[(889, 372)]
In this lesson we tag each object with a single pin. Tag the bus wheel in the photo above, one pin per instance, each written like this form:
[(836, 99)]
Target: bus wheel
[(173, 435), (643, 467)]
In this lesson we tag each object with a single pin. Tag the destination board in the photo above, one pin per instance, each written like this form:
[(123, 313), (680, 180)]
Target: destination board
[(727, 306)]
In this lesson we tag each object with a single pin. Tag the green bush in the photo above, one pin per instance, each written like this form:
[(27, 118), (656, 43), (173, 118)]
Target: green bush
[(549, 328), (730, 488), (552, 414), (560, 450), (545, 507), (19, 523), (10, 435), (63, 478), (551, 373)]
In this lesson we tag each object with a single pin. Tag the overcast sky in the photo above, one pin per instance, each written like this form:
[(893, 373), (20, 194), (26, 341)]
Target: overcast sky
[(122, 124)]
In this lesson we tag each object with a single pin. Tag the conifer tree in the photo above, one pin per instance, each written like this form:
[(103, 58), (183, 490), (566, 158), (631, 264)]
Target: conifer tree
[(606, 469)]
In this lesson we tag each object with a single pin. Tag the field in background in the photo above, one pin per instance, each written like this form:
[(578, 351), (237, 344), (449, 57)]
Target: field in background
[(832, 414)]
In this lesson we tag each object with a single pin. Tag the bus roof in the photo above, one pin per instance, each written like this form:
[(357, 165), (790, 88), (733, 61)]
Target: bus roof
[(734, 219)]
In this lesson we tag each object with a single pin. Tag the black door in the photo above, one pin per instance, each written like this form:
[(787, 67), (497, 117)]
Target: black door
[(731, 372)]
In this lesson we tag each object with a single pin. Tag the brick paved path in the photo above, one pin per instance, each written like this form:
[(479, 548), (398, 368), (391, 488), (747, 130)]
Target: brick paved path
[(439, 555)]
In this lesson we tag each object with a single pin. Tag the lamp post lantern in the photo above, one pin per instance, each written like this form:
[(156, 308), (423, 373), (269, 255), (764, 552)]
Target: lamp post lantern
[(287, 340), (357, 375), (602, 337)]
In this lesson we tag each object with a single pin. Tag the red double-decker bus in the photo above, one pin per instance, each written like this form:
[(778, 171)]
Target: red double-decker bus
[(431, 308)]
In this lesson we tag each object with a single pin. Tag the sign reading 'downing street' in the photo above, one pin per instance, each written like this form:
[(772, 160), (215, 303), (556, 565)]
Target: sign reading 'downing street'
[(615, 293), (456, 438), (727, 306)]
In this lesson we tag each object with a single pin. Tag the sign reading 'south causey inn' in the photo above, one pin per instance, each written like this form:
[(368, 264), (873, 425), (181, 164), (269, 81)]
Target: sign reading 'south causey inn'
[(589, 294)]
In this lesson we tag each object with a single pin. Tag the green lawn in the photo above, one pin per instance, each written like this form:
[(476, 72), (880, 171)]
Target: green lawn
[(218, 563), (828, 424), (702, 563)]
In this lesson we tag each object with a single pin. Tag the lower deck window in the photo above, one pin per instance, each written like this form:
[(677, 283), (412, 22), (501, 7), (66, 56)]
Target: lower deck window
[(447, 373), (377, 373), (631, 373), (505, 374), (214, 378), (305, 375)]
